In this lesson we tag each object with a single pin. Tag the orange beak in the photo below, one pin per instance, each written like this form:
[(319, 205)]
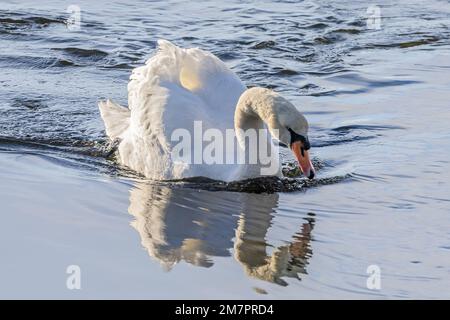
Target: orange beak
[(303, 159)]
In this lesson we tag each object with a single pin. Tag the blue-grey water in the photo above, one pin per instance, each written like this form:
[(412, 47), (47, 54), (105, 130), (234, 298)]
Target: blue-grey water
[(377, 98)]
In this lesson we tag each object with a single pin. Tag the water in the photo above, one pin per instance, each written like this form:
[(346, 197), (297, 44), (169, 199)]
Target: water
[(377, 102)]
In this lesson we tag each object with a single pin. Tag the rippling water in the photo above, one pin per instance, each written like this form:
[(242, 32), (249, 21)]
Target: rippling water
[(378, 104)]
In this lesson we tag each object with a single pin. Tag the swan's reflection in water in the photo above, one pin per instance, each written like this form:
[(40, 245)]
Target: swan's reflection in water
[(186, 224)]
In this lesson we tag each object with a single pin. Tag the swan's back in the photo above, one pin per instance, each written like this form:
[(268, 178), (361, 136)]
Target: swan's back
[(172, 90)]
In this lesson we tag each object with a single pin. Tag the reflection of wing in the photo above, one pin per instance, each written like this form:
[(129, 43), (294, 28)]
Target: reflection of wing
[(250, 246), (183, 224)]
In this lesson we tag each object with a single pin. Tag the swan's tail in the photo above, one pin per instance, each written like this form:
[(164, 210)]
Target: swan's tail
[(115, 117)]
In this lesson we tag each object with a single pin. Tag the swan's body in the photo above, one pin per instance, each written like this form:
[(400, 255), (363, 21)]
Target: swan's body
[(178, 87)]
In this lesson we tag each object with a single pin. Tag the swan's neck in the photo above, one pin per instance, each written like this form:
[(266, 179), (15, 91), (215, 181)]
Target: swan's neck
[(255, 110), (255, 121)]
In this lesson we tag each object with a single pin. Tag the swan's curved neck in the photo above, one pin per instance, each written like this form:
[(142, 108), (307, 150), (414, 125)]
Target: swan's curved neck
[(253, 110), (255, 113)]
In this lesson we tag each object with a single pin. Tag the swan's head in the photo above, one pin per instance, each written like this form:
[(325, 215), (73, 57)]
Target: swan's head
[(293, 132), (284, 121)]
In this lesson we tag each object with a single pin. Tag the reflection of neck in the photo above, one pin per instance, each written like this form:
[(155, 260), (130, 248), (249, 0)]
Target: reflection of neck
[(250, 245)]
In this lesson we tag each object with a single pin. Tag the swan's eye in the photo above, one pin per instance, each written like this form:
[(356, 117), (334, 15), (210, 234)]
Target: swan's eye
[(306, 144), (298, 137)]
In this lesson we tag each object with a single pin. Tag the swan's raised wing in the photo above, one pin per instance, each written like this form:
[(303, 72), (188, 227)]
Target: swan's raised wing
[(198, 72), (175, 88)]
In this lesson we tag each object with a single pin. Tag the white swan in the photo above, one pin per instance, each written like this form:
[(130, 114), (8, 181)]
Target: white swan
[(178, 87)]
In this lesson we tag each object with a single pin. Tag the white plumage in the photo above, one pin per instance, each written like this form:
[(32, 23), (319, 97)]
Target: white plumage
[(177, 87)]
